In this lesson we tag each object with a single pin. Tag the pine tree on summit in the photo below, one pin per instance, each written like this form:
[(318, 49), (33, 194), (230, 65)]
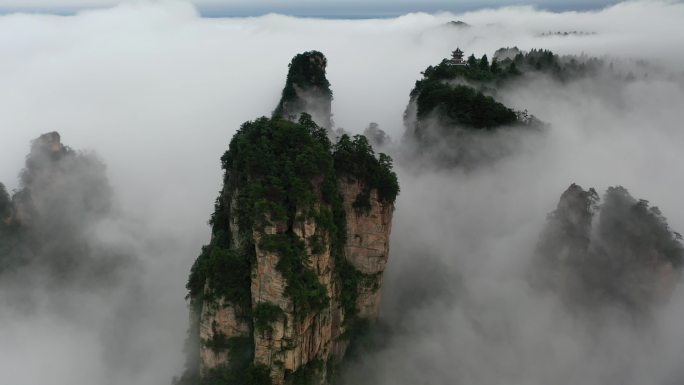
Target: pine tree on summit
[(484, 63), (472, 61)]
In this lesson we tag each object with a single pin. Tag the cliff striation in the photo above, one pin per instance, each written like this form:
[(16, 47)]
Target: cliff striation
[(300, 240)]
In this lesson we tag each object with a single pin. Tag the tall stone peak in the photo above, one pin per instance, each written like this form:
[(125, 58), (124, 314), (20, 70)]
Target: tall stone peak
[(44, 159), (300, 240), (576, 208), (50, 143), (617, 252), (55, 177), (62, 193), (307, 90)]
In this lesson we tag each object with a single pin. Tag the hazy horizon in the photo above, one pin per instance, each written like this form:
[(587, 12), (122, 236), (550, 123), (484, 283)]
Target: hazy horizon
[(303, 8)]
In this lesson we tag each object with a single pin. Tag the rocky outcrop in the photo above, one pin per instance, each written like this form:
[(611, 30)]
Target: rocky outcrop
[(217, 321), (292, 341), (300, 241), (44, 164), (307, 90), (619, 253), (48, 220)]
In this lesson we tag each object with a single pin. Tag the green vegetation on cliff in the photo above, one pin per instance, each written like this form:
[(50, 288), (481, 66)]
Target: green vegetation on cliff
[(239, 370), (280, 174), (463, 105), (355, 157), (303, 287), (512, 65), (269, 169), (265, 314), (455, 115), (456, 95), (274, 172)]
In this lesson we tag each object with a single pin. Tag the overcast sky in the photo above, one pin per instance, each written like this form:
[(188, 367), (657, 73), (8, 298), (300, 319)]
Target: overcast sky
[(315, 8)]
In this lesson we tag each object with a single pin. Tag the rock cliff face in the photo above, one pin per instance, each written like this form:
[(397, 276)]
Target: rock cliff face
[(367, 246), (219, 319), (293, 339), (618, 253), (300, 241)]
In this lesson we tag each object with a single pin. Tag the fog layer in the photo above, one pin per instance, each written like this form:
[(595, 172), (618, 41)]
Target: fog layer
[(157, 92)]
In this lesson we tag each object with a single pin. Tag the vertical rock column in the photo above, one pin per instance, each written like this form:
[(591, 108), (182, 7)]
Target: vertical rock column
[(367, 247)]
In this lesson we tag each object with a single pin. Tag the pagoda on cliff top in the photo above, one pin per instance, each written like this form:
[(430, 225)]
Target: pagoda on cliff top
[(457, 58)]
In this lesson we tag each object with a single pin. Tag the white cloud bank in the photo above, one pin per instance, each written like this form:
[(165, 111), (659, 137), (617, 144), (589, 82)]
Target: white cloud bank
[(158, 91)]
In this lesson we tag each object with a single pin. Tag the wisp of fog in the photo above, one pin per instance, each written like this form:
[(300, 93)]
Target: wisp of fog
[(157, 91)]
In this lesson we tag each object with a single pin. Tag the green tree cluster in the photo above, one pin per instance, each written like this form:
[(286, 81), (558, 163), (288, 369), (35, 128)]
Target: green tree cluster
[(306, 71), (630, 227), (265, 315), (463, 105), (458, 95), (355, 157)]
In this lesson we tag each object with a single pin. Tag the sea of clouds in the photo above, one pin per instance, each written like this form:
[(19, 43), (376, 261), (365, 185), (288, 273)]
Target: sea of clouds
[(157, 91)]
